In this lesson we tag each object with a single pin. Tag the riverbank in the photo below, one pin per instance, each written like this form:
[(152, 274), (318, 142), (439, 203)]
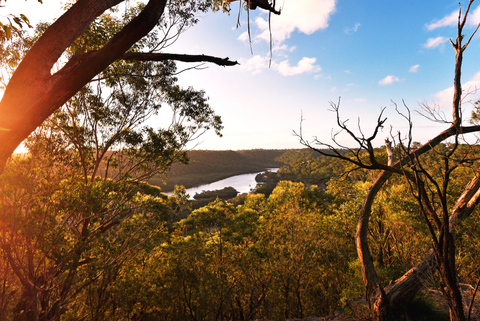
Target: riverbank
[(206, 167), (243, 183)]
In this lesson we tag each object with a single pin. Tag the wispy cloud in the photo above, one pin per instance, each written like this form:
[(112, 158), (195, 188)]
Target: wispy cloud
[(360, 100), (348, 72), (320, 76), (435, 42), (352, 30), (284, 47), (390, 79), (414, 68), (306, 16), (451, 20), (348, 86), (258, 63), (283, 50), (445, 96)]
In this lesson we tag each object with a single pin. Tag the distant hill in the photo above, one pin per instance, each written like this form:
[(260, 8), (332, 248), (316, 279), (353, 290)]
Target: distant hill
[(207, 166)]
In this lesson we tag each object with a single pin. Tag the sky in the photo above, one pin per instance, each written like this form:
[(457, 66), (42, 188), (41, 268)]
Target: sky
[(363, 55)]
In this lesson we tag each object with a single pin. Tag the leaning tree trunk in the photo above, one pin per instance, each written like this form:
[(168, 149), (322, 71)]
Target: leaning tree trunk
[(387, 303)]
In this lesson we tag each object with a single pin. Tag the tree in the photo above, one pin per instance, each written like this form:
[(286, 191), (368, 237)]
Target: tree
[(429, 186), (104, 123), (71, 212), (21, 113), (63, 239)]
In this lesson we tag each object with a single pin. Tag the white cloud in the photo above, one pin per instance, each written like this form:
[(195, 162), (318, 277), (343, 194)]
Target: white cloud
[(258, 63), (306, 65), (262, 23), (320, 76), (445, 97), (243, 37), (414, 68), (451, 20), (388, 80), (348, 72), (283, 50), (284, 47), (352, 30), (348, 86), (474, 17), (306, 16), (360, 100), (333, 89), (435, 42)]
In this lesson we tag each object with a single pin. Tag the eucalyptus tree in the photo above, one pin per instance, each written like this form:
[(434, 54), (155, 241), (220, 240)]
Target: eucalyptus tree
[(105, 123), (33, 92), (429, 185), (72, 211)]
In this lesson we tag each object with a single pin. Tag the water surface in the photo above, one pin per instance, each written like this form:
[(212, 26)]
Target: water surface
[(243, 183)]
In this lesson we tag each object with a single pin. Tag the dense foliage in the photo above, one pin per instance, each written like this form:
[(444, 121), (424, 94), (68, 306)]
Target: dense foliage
[(288, 255)]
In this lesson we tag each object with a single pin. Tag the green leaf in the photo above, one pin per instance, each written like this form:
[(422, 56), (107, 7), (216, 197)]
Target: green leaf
[(8, 31), (18, 21), (25, 19)]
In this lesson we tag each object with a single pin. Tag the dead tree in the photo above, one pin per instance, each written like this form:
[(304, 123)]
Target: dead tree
[(386, 302)]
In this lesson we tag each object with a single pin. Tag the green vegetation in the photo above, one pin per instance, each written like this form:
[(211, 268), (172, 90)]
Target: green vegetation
[(422, 308), (289, 255), (206, 197)]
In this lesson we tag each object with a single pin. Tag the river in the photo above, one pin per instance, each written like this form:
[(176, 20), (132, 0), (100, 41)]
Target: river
[(243, 183)]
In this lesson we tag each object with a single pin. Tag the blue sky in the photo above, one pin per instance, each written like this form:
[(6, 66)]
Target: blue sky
[(367, 53), (371, 54)]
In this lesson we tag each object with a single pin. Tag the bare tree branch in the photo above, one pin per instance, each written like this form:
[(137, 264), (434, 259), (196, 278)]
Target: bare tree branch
[(179, 57)]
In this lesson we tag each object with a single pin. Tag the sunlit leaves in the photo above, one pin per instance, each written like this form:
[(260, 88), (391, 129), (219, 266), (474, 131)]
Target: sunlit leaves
[(14, 24)]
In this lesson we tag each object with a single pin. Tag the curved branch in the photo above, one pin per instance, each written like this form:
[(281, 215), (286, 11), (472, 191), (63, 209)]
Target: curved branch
[(21, 113), (369, 273)]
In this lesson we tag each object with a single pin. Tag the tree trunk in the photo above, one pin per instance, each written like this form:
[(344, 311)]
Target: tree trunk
[(388, 301), (21, 113)]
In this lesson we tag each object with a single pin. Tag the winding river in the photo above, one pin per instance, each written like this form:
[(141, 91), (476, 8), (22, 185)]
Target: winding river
[(243, 183)]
